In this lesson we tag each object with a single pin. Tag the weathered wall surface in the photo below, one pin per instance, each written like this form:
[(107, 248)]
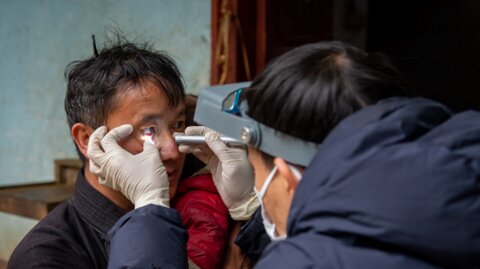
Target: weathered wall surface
[(37, 41)]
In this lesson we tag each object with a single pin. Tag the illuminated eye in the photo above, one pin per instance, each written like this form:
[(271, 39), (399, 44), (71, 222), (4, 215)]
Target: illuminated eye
[(149, 134), (150, 131)]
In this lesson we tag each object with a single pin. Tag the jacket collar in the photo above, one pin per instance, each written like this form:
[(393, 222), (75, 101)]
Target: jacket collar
[(94, 208)]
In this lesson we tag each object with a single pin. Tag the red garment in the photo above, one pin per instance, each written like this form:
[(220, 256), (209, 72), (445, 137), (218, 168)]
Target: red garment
[(206, 218)]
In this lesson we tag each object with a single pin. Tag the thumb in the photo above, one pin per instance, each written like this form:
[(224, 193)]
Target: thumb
[(149, 145), (110, 141), (150, 152)]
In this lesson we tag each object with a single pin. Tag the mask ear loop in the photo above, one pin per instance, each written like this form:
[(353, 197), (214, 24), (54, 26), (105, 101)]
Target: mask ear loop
[(295, 172), (266, 184)]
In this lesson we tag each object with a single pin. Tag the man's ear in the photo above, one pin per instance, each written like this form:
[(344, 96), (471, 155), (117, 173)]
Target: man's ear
[(80, 133), (291, 182)]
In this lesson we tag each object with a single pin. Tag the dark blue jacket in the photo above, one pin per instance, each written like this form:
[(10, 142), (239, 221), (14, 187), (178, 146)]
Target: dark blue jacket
[(396, 185), (148, 237)]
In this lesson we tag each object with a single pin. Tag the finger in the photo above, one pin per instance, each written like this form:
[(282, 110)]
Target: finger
[(150, 153), (104, 181), (110, 141), (177, 133), (95, 168), (187, 148), (98, 171), (149, 145), (94, 148), (197, 130), (202, 152), (216, 144)]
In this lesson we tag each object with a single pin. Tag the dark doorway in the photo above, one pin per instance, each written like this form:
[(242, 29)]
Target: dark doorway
[(435, 43)]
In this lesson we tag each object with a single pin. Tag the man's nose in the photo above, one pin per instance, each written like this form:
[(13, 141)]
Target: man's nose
[(167, 146)]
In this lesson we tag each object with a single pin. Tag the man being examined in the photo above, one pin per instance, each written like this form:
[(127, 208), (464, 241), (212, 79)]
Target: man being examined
[(125, 84)]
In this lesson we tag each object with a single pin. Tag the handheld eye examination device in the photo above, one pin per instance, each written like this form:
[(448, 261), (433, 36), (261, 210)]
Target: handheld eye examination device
[(197, 139), (222, 109)]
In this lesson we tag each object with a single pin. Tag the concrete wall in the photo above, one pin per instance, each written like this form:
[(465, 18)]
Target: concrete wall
[(12, 229), (39, 38)]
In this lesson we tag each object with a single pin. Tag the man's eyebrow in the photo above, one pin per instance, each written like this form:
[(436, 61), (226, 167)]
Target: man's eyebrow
[(154, 117), (150, 117)]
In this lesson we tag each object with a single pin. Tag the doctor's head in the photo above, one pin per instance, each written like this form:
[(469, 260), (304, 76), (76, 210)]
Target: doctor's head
[(305, 93)]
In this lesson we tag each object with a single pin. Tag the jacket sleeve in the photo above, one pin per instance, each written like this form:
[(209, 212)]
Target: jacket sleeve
[(318, 251), (206, 219), (253, 239), (148, 237)]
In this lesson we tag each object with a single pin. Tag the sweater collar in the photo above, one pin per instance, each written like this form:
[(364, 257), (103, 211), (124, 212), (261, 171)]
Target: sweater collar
[(94, 208)]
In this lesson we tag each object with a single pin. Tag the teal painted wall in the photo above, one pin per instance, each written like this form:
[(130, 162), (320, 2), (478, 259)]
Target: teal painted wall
[(39, 38), (37, 41)]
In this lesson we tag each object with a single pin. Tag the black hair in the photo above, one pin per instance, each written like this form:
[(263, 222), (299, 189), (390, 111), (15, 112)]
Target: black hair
[(307, 91), (94, 83)]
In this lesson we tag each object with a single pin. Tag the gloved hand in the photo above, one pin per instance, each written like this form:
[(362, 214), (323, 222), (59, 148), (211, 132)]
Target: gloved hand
[(232, 172), (142, 178)]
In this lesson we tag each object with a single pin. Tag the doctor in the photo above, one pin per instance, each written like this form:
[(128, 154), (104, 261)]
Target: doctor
[(346, 176)]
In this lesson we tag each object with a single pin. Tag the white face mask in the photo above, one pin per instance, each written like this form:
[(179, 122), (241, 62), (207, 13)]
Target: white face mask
[(269, 226)]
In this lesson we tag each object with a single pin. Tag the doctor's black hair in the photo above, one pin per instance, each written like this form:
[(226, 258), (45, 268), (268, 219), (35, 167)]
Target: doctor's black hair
[(307, 91), (94, 83)]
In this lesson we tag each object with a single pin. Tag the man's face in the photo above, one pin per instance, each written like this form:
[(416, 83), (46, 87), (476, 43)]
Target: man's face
[(146, 106)]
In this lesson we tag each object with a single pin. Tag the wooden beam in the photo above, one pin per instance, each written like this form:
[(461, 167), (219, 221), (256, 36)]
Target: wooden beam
[(261, 53), (66, 170), (214, 37), (36, 200)]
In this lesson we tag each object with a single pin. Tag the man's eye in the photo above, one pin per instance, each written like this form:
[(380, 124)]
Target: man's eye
[(149, 131)]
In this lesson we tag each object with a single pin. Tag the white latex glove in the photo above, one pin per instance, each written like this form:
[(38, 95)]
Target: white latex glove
[(142, 178), (232, 172)]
